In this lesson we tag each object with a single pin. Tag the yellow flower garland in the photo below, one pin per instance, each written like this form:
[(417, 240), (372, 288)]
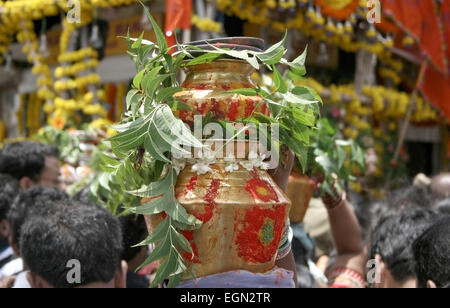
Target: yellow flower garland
[(27, 36), (17, 16), (390, 74), (310, 22), (383, 106), (206, 24)]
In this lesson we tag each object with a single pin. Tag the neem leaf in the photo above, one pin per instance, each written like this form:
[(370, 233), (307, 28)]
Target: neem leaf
[(181, 241), (152, 148), (149, 78), (308, 93), (341, 156), (244, 91), (298, 99), (174, 280), (166, 93), (326, 187), (161, 250), (325, 163), (130, 96), (137, 43), (300, 60), (137, 79), (135, 103), (274, 54), (157, 234), (280, 84), (167, 267), (243, 55), (303, 157), (358, 154), (273, 59), (205, 58), (154, 206), (156, 188), (162, 44)]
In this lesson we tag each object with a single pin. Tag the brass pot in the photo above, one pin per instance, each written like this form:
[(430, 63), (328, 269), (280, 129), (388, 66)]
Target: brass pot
[(206, 90), (300, 189), (243, 214)]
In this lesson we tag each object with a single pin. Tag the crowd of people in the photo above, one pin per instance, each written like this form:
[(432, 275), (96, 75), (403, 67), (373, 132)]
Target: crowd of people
[(48, 239)]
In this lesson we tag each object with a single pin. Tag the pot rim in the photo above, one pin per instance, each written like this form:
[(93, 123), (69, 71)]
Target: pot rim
[(251, 43)]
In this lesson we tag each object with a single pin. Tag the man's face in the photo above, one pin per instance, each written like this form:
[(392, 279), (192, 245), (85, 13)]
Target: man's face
[(50, 176)]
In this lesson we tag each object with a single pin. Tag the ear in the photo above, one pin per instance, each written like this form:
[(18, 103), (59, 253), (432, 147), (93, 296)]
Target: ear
[(26, 183), (431, 284), (5, 229), (120, 278), (37, 282), (380, 271), (14, 246)]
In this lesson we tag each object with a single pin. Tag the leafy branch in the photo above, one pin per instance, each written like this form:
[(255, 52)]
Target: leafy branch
[(141, 162), (333, 156), (293, 108)]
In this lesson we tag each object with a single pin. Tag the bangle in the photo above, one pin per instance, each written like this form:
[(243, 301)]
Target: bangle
[(283, 253), (332, 201), (346, 277)]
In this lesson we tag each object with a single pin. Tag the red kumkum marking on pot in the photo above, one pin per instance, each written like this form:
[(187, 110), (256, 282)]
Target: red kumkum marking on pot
[(250, 233), (201, 107), (250, 106), (189, 235), (191, 185), (216, 113), (260, 189), (201, 86), (263, 109), (184, 114), (233, 111), (210, 197)]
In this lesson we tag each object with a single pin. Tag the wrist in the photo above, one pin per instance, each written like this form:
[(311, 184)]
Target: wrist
[(335, 200)]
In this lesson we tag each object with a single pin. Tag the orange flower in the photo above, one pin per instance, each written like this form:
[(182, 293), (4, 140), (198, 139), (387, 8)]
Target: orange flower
[(337, 10), (59, 123)]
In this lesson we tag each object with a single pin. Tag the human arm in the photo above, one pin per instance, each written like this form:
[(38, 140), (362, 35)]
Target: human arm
[(349, 267), (281, 176)]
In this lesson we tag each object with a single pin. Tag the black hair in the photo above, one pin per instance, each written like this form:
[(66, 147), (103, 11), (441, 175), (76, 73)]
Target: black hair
[(83, 195), (392, 239), (9, 189), (411, 196), (25, 159), (35, 196), (442, 206), (134, 231), (68, 230), (432, 254), (369, 213)]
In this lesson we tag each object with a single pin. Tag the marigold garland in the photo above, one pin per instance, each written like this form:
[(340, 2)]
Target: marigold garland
[(206, 24), (337, 9), (313, 22)]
